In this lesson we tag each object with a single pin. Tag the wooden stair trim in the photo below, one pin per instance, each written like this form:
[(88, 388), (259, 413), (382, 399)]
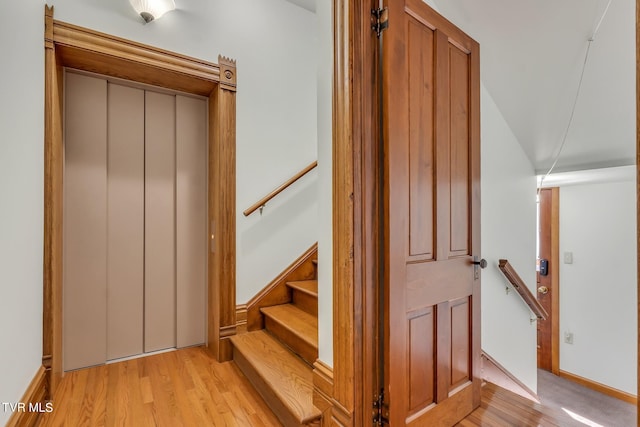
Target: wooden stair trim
[(323, 389), (294, 327), (309, 287), (281, 378), (277, 292), (515, 382)]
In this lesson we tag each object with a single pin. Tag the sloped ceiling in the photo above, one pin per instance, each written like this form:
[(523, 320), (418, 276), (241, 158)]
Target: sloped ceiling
[(310, 5), (532, 54)]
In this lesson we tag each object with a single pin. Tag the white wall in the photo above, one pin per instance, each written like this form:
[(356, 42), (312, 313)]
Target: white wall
[(598, 290), (274, 44), (508, 231), (21, 196), (325, 181)]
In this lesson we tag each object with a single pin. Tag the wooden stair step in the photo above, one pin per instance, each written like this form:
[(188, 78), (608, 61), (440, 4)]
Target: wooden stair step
[(283, 380), (294, 327), (309, 287), (305, 295)]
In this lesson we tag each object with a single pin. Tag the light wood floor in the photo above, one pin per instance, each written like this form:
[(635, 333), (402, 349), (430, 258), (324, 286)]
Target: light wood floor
[(189, 388), (503, 408), (180, 388)]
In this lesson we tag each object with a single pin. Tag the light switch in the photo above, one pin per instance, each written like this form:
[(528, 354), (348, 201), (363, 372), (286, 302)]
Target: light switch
[(568, 257)]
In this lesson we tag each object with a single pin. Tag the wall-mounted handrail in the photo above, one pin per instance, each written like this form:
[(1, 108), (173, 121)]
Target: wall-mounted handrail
[(523, 291), (260, 203)]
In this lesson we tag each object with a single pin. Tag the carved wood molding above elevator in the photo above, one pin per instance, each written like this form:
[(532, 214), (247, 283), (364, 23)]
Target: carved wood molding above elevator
[(68, 45)]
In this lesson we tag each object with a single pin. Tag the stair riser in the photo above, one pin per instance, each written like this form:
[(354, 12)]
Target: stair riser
[(278, 408), (299, 346), (305, 302)]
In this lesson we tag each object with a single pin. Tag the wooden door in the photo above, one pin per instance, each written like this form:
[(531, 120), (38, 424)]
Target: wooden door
[(432, 217), (547, 285)]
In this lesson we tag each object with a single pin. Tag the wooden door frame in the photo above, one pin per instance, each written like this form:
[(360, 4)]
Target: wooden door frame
[(80, 48), (554, 262), (638, 193), (355, 209)]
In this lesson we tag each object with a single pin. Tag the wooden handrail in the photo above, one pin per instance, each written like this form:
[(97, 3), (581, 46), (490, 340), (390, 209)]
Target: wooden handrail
[(523, 291), (260, 203)]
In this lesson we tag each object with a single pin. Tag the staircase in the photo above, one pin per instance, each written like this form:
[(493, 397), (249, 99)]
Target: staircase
[(278, 359)]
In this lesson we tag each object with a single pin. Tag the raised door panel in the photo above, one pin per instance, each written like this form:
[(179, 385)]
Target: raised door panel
[(421, 85), (191, 220), (160, 207), (125, 219), (85, 222), (459, 98)]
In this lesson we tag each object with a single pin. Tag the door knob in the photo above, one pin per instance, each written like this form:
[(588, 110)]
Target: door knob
[(482, 263), (543, 290)]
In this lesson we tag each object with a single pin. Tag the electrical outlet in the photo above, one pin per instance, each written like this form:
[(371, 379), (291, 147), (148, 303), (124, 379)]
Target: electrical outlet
[(568, 337)]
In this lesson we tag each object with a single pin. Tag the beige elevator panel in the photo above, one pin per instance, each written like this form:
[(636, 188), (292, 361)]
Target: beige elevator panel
[(135, 221), (160, 268), (125, 219), (85, 222), (191, 231)]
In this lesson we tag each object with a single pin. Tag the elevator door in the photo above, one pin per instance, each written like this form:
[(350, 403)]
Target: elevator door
[(134, 220)]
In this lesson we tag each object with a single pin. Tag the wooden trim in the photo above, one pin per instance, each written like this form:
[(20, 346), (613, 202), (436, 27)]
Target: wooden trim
[(509, 375), (260, 203), (101, 53), (71, 46), (344, 328), (355, 213), (276, 291), (323, 390), (524, 292), (599, 387), (222, 218), (241, 318), (53, 202), (638, 198), (35, 394), (555, 280)]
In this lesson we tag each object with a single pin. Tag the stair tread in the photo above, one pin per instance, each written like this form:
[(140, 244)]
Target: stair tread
[(299, 322), (287, 375), (307, 286)]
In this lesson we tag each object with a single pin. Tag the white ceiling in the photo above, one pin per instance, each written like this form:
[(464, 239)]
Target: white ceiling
[(310, 5), (531, 58), (532, 54)]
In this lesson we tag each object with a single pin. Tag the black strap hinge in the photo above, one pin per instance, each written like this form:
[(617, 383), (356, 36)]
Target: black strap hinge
[(380, 18)]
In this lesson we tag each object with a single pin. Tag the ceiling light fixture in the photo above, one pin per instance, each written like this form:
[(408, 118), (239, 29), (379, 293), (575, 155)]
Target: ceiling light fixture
[(152, 9)]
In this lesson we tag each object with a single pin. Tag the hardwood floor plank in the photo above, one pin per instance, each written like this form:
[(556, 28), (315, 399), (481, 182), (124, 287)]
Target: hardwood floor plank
[(78, 388), (182, 388), (502, 408)]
